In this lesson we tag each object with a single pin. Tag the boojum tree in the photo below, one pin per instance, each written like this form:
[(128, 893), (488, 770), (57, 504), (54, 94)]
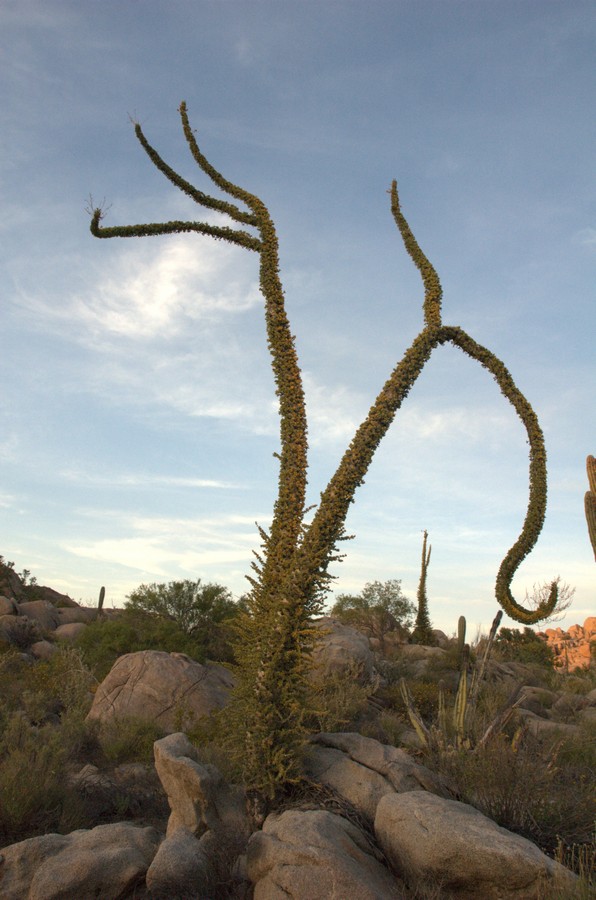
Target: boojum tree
[(423, 630), (290, 574)]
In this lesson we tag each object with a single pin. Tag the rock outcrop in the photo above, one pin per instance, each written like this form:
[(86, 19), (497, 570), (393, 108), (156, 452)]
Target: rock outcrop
[(342, 650), (207, 823), (573, 648)]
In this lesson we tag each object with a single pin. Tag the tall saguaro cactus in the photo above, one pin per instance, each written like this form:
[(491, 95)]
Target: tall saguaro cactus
[(291, 572)]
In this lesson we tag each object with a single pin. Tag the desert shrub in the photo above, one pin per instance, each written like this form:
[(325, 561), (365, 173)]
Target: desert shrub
[(22, 632), (34, 795), (523, 646), (386, 726), (129, 739), (425, 695), (337, 701), (527, 787)]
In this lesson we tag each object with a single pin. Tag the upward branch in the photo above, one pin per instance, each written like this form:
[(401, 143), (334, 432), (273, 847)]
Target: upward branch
[(289, 507)]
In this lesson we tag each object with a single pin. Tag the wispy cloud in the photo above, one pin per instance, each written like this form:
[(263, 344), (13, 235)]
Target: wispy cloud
[(143, 480), (156, 292)]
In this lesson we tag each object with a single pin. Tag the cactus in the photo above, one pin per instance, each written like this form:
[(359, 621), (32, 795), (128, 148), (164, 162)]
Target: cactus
[(102, 594), (456, 734), (461, 634), (590, 501)]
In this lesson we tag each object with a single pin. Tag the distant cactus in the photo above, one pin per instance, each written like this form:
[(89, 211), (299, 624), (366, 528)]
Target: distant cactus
[(423, 631), (461, 634), (102, 595), (590, 501)]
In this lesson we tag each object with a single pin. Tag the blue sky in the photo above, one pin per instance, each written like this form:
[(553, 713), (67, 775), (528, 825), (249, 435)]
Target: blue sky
[(137, 413)]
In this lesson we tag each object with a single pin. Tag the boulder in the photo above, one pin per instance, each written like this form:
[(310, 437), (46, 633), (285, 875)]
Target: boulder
[(42, 649), (342, 650), (168, 688), (41, 612), (198, 796), (541, 727), (317, 855), (105, 862), (69, 632), (429, 839), (362, 770), (537, 700), (69, 614), (419, 658)]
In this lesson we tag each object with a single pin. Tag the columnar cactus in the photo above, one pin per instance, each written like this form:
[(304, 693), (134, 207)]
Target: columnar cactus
[(290, 575), (590, 501)]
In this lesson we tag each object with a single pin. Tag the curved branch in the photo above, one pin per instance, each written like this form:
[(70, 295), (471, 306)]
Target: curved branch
[(233, 236), (328, 522), (536, 511), (432, 286)]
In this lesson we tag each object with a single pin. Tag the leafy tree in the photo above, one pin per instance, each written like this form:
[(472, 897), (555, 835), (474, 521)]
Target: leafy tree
[(291, 573), (379, 608), (423, 631), (193, 606), (523, 646)]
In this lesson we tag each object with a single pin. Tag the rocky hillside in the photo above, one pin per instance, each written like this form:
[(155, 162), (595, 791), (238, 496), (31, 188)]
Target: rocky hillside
[(497, 803)]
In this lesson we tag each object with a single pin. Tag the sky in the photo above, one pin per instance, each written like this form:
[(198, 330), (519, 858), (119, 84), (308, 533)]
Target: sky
[(138, 418)]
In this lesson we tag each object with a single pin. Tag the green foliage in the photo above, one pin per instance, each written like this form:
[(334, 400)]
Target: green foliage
[(32, 791), (103, 641), (423, 631), (195, 607), (380, 607), (42, 729), (523, 646), (274, 637)]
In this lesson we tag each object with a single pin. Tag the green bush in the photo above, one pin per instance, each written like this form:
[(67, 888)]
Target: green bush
[(523, 646), (195, 607)]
